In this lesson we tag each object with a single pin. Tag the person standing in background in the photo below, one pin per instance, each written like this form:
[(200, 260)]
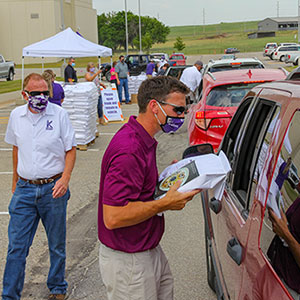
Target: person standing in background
[(70, 73), (113, 78), (163, 70), (150, 68), (122, 81), (92, 75), (56, 91)]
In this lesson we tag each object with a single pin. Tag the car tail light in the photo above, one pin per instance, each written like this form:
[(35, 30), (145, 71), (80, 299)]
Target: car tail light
[(266, 51), (236, 63), (203, 118), (289, 56), (275, 53)]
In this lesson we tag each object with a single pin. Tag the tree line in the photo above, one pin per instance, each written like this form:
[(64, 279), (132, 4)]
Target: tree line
[(111, 30)]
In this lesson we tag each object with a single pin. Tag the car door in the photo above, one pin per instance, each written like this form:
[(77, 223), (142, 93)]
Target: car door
[(232, 222)]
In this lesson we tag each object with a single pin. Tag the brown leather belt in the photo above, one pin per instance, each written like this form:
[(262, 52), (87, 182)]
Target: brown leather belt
[(43, 180)]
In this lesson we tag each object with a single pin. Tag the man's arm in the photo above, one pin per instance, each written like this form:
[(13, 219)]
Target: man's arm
[(61, 185), (280, 227), (138, 211), (15, 165)]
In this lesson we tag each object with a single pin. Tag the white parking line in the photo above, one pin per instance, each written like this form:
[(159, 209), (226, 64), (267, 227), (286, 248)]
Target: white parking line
[(6, 173), (106, 133), (5, 149), (93, 150), (4, 213)]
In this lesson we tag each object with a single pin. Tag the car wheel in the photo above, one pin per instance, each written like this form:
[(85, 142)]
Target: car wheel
[(10, 76), (298, 62), (272, 56), (281, 58), (211, 275)]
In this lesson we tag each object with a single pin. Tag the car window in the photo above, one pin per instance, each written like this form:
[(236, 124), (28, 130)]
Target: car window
[(144, 59), (228, 95), (174, 72), (284, 193), (246, 150), (242, 66)]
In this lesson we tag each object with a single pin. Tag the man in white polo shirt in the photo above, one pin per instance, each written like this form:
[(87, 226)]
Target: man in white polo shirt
[(44, 152), (191, 76)]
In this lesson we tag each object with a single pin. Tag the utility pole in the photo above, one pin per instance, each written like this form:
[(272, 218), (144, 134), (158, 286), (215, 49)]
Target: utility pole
[(203, 20), (140, 26), (126, 27), (277, 9)]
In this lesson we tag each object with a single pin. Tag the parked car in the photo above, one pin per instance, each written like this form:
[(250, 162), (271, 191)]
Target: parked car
[(281, 51), (176, 71), (137, 63), (157, 56), (221, 94), (7, 69), (293, 58), (231, 50), (230, 64), (106, 71), (178, 58), (243, 254), (268, 50), (228, 56)]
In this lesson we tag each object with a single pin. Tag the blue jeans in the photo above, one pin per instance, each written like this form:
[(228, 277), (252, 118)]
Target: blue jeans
[(29, 204), (99, 107), (123, 82)]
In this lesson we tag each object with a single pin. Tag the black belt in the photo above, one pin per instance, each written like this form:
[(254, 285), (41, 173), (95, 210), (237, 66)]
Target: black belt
[(42, 180)]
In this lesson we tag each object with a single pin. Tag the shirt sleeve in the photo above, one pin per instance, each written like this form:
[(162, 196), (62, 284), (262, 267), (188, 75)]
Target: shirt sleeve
[(67, 132), (62, 93), (117, 69), (124, 180), (10, 137)]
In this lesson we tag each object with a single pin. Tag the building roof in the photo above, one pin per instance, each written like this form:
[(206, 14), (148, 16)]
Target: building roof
[(282, 19)]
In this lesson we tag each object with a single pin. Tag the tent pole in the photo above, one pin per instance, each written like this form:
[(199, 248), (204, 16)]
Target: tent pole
[(111, 62), (42, 64), (99, 63), (22, 71)]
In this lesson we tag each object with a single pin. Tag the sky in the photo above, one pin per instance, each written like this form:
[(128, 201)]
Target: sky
[(199, 12)]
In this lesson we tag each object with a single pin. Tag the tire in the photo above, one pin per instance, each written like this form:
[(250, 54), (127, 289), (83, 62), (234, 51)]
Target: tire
[(10, 76), (211, 274), (281, 58), (298, 62), (271, 56)]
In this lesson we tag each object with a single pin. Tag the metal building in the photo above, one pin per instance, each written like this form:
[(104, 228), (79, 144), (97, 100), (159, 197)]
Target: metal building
[(278, 24), (24, 22)]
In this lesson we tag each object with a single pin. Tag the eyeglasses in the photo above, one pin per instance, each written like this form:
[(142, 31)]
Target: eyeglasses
[(178, 109), (37, 93)]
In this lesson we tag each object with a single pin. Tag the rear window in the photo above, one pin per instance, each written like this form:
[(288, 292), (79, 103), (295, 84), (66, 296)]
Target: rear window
[(236, 66), (177, 57), (228, 95)]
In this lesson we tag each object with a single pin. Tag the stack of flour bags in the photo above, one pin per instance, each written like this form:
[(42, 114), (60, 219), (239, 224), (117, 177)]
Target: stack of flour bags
[(80, 102), (134, 83)]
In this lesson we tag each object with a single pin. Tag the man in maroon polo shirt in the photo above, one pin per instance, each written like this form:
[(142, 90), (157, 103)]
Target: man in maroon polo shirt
[(130, 221)]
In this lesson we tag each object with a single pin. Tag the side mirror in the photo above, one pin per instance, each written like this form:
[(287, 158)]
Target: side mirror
[(197, 150)]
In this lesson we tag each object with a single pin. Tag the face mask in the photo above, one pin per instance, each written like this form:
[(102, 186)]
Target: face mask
[(92, 70), (38, 103), (73, 64), (172, 124)]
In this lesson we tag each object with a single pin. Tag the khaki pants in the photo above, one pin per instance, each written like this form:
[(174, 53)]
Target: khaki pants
[(136, 276)]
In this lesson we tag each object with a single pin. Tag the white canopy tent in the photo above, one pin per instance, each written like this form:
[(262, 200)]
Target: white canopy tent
[(64, 44)]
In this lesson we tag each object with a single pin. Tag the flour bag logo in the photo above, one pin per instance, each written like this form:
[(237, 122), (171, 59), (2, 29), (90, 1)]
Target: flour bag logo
[(49, 126)]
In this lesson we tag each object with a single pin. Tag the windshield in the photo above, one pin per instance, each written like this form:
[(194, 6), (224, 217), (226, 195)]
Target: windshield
[(228, 95), (230, 67)]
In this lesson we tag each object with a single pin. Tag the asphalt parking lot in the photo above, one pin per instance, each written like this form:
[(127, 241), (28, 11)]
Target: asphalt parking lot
[(183, 241)]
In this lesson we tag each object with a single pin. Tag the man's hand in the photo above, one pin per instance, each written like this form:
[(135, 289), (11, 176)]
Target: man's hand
[(175, 200), (118, 81), (279, 226), (14, 184), (60, 187)]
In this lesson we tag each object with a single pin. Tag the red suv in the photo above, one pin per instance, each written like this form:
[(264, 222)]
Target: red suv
[(220, 95), (253, 253), (179, 59)]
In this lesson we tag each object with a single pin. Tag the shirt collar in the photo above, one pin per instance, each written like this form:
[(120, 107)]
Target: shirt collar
[(146, 138), (48, 111)]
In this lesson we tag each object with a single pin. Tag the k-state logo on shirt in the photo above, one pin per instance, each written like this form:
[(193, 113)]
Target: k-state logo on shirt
[(49, 126)]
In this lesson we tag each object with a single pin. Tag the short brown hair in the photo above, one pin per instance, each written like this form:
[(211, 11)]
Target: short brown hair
[(158, 88), (32, 76)]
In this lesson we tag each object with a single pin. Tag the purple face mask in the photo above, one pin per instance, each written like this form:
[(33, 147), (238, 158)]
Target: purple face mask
[(172, 124), (38, 103)]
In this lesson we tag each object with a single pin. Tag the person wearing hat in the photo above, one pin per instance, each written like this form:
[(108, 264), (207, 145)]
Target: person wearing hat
[(191, 76)]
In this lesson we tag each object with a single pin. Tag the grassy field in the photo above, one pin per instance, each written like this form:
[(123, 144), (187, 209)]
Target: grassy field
[(213, 39)]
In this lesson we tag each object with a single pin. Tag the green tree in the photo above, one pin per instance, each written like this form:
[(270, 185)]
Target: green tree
[(111, 30), (179, 44)]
